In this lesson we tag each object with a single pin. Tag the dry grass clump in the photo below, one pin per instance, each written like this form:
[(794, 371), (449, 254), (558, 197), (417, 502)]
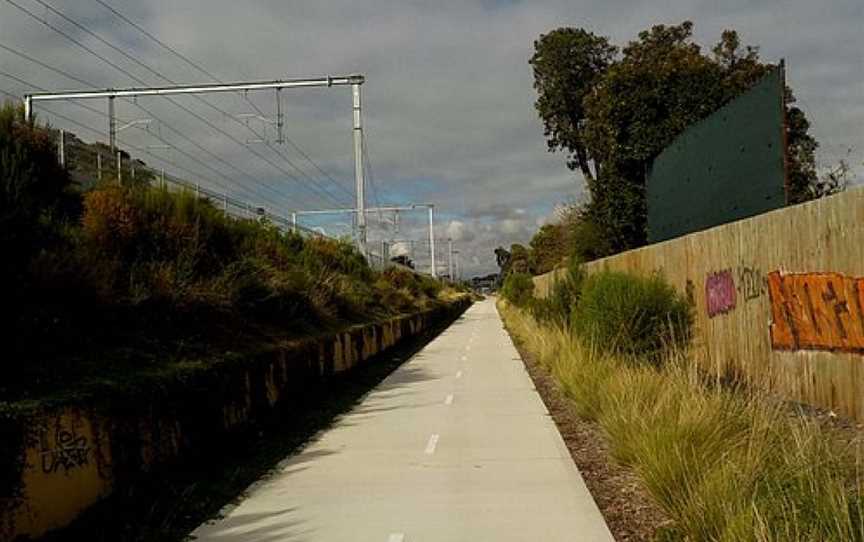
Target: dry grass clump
[(726, 465)]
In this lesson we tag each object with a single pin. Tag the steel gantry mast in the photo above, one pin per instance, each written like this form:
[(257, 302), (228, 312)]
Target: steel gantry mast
[(354, 81)]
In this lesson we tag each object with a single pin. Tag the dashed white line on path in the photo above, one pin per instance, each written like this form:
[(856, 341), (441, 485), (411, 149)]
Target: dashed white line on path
[(396, 537), (468, 348), (449, 400), (430, 446), (464, 358), (458, 374)]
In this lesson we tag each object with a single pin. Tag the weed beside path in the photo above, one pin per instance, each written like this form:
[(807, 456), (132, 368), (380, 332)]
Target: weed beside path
[(722, 464), (629, 511)]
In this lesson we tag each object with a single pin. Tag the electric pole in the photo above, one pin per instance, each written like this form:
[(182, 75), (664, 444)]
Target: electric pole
[(360, 188), (450, 259)]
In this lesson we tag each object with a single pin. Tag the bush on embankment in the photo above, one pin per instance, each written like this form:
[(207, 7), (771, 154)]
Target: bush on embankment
[(122, 279), (724, 464)]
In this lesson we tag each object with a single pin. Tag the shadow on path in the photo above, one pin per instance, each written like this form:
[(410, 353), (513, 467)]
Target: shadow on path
[(171, 503)]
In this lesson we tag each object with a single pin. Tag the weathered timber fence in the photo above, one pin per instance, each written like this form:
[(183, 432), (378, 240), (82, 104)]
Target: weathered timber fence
[(778, 298)]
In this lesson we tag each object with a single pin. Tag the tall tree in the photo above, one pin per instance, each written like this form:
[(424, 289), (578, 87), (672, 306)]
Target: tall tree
[(567, 64), (622, 111)]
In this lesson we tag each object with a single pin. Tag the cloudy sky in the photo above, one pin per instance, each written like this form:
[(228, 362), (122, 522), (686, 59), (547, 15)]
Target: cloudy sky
[(448, 99)]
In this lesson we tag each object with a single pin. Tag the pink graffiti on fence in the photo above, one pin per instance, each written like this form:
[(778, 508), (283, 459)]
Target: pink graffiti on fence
[(720, 296)]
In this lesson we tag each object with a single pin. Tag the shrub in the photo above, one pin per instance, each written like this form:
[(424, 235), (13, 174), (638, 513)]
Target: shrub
[(557, 307), (321, 254), (33, 190), (32, 180), (631, 315), (110, 219), (400, 278), (429, 286), (395, 295), (518, 289)]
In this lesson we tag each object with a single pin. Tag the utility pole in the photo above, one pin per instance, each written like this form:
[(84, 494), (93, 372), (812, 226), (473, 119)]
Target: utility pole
[(360, 188), (62, 148), (432, 239), (458, 266), (112, 125), (279, 121), (450, 258)]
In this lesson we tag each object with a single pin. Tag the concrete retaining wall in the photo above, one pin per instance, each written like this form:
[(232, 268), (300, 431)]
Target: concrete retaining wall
[(779, 297), (71, 456)]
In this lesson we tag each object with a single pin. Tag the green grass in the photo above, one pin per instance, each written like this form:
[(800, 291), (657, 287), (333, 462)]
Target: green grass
[(631, 314), (725, 465)]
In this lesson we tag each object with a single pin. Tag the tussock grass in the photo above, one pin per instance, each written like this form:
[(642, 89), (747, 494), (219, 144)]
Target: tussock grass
[(725, 465)]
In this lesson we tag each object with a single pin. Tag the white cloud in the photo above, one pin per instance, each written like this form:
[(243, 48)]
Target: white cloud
[(448, 98)]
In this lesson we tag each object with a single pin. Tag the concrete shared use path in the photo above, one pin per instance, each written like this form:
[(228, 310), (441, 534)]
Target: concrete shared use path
[(455, 445)]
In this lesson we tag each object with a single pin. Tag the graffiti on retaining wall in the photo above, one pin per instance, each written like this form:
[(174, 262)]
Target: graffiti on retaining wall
[(720, 295), (65, 451), (816, 311)]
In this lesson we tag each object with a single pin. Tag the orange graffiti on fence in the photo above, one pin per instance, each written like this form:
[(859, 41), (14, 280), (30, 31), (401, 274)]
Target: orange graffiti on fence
[(816, 311)]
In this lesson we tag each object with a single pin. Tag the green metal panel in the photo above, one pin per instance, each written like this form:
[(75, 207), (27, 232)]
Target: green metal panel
[(726, 167)]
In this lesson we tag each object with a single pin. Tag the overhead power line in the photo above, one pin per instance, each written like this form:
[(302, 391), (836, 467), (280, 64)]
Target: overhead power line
[(224, 197), (181, 151), (158, 74), (142, 82), (29, 84), (204, 71), (44, 65), (248, 190)]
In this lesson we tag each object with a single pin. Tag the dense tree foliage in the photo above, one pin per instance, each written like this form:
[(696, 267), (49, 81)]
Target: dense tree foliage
[(613, 113), (547, 246), (568, 63)]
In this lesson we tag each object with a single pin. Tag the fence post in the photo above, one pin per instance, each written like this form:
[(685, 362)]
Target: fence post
[(162, 178), (119, 168), (98, 166)]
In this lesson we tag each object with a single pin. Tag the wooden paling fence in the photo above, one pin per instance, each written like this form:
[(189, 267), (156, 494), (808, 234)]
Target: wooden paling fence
[(779, 298)]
